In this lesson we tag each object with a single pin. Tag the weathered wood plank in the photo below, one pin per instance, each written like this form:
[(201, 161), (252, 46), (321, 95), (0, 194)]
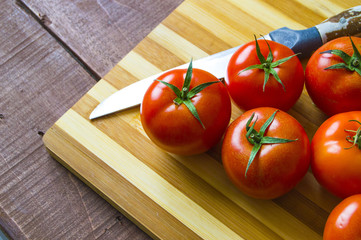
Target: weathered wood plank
[(101, 32), (39, 81)]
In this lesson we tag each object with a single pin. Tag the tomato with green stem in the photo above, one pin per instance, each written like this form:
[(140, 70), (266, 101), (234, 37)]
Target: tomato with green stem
[(265, 152), (254, 80), (336, 154), (186, 111), (344, 221), (333, 76)]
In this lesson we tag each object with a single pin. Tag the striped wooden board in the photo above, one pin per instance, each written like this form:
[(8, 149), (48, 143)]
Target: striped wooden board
[(173, 197)]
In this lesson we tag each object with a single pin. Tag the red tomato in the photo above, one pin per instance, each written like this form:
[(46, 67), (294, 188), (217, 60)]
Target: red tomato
[(173, 127), (344, 222), (334, 90), (276, 168), (336, 163), (247, 88)]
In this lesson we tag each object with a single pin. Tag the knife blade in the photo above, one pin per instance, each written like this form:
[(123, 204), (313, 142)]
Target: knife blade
[(300, 41)]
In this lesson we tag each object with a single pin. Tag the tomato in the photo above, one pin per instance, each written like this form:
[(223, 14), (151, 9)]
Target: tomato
[(344, 222), (335, 90), (168, 120), (336, 154), (250, 89), (276, 167)]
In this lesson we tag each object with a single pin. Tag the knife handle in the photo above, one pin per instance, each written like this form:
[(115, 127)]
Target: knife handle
[(346, 23), (303, 42)]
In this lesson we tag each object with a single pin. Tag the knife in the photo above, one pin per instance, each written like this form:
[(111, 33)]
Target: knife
[(346, 23)]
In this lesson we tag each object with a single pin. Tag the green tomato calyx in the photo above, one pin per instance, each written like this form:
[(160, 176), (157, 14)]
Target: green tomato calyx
[(267, 65), (351, 63), (185, 95), (356, 138), (257, 139)]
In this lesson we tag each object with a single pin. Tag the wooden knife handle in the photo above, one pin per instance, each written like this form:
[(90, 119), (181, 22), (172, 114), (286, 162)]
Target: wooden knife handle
[(346, 23)]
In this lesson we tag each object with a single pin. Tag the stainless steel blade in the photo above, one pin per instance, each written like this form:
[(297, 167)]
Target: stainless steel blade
[(132, 95)]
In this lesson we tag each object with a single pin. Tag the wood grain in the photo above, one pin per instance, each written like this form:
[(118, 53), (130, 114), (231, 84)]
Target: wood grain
[(173, 197), (39, 81), (101, 32)]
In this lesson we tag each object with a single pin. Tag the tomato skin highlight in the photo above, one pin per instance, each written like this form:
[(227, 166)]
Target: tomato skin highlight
[(174, 128), (333, 90), (246, 89), (336, 168), (277, 168), (344, 222)]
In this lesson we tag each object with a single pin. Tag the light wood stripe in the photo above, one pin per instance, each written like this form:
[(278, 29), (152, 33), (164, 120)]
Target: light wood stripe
[(214, 25), (102, 90), (187, 28), (271, 16), (159, 56), (138, 66), (230, 14), (176, 44), (322, 7)]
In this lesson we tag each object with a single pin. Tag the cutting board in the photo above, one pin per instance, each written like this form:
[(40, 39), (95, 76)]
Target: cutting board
[(174, 197)]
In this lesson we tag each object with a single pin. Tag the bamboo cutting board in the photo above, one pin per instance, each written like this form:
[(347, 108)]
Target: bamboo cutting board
[(173, 197)]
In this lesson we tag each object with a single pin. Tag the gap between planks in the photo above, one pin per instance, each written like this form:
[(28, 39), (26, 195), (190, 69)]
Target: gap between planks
[(44, 21)]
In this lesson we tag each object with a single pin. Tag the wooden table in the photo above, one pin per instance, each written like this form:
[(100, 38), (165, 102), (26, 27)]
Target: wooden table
[(52, 53)]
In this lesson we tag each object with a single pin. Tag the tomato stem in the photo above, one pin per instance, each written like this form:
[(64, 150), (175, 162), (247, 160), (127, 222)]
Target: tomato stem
[(267, 65), (257, 139), (351, 63), (356, 138), (185, 95), (355, 63)]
